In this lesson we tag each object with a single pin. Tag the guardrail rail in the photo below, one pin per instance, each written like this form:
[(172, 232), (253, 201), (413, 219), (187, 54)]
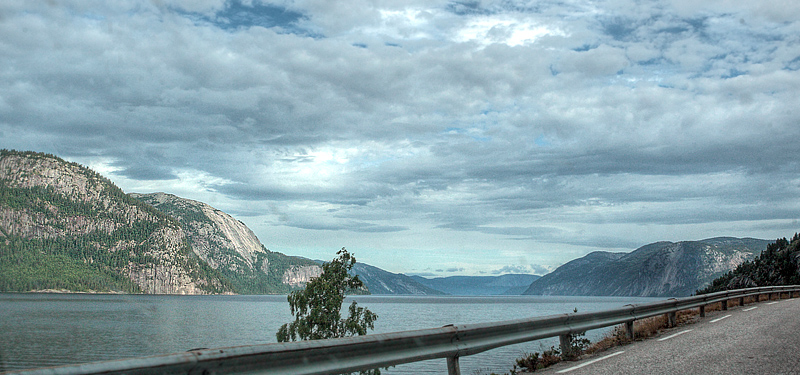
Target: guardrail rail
[(342, 355)]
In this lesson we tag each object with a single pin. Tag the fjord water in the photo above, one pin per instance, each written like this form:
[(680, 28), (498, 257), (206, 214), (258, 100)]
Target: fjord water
[(54, 329)]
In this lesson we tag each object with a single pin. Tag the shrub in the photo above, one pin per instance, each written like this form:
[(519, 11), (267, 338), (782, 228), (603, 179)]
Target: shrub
[(317, 307)]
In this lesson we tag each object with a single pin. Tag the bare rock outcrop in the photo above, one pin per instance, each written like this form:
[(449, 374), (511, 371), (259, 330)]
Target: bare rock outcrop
[(71, 211), (216, 237), (298, 276), (229, 246)]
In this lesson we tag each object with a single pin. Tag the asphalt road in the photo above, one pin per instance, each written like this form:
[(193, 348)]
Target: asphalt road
[(758, 338)]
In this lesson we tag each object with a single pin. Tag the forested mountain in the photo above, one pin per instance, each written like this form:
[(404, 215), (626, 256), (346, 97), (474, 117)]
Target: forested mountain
[(65, 227), (512, 284), (779, 264), (230, 247), (661, 269)]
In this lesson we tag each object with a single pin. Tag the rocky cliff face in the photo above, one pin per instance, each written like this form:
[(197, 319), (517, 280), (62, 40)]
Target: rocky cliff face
[(299, 276), (55, 211), (215, 236), (229, 246), (779, 264), (662, 269)]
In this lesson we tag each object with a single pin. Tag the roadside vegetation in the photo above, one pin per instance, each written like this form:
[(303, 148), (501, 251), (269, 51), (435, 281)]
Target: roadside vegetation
[(778, 264), (317, 307)]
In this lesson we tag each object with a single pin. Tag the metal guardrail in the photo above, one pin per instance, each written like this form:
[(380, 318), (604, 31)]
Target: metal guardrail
[(335, 356)]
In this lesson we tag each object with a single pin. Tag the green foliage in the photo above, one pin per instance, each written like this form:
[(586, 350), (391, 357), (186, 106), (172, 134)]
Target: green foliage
[(578, 343), (84, 261), (45, 199), (266, 276), (317, 308), (27, 265), (779, 264), (87, 263), (42, 200), (531, 362)]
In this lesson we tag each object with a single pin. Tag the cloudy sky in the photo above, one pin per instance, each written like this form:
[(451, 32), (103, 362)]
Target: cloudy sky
[(428, 137)]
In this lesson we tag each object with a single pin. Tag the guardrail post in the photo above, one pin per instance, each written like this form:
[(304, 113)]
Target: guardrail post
[(703, 311), (565, 343), (672, 318), (741, 301), (453, 368), (629, 330), (724, 304)]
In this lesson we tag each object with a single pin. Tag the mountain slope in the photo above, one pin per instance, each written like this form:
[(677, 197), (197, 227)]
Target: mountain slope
[(659, 269), (479, 285), (65, 227), (779, 264), (379, 281), (230, 247)]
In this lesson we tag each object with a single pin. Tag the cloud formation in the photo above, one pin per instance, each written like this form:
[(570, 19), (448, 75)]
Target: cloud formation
[(425, 134)]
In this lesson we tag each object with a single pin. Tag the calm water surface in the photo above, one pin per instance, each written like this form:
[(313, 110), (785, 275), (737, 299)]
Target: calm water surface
[(55, 329)]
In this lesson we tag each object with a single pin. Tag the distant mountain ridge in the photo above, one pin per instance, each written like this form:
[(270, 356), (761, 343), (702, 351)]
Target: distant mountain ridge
[(661, 269), (65, 227), (383, 282), (511, 284)]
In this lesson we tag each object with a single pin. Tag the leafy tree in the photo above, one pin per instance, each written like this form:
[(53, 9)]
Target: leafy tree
[(317, 308)]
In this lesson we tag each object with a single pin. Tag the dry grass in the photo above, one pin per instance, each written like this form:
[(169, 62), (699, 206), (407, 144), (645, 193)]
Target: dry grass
[(615, 338), (646, 328), (642, 328), (652, 326)]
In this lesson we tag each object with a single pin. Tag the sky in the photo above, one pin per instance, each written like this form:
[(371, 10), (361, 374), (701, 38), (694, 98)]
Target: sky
[(431, 137)]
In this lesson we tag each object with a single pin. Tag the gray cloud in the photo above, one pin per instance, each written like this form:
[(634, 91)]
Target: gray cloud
[(541, 270), (515, 269), (548, 129)]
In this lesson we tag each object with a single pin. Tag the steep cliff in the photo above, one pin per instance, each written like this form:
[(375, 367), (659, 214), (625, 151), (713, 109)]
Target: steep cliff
[(779, 264), (230, 247), (65, 227), (660, 269)]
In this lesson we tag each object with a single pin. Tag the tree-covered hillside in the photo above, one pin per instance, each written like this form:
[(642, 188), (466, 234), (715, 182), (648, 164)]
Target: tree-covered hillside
[(779, 264), (64, 226)]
